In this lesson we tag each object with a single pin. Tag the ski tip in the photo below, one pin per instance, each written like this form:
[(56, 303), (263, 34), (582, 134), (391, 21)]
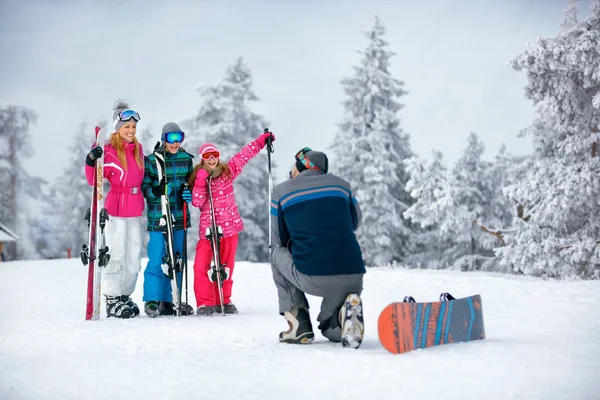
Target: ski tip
[(97, 129)]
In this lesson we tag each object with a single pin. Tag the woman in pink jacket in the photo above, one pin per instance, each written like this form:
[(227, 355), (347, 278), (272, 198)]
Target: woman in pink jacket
[(124, 203), (226, 215)]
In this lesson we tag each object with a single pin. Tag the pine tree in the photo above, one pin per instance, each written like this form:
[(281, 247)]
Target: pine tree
[(369, 151), (72, 196), (435, 212), (16, 185), (559, 234), (570, 15), (462, 212), (226, 120)]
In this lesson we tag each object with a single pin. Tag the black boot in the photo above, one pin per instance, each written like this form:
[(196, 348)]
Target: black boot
[(116, 307), (134, 307), (300, 331)]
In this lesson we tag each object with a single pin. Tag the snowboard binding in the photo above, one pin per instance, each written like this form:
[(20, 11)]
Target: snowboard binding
[(446, 297), (409, 299)]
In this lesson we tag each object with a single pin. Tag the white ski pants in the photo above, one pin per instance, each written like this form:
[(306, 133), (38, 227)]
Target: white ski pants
[(124, 241)]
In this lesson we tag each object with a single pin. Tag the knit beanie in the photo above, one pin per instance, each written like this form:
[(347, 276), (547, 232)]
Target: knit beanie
[(318, 159), (119, 106), (169, 127), (206, 148)]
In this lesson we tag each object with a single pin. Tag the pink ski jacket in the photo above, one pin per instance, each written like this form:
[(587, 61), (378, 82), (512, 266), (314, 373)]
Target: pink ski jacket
[(226, 210), (125, 198)]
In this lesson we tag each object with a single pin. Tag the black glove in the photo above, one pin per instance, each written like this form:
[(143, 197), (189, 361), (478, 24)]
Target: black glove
[(160, 189), (94, 154)]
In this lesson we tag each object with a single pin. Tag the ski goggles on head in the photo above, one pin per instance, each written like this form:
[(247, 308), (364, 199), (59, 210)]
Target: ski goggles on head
[(174, 137), (210, 154), (302, 152), (304, 160), (126, 115)]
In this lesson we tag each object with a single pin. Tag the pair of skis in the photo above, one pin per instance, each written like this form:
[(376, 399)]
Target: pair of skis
[(95, 254), (217, 272), (173, 264)]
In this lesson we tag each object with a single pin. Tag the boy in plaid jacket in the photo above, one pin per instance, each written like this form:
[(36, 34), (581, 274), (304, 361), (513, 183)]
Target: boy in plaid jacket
[(178, 165)]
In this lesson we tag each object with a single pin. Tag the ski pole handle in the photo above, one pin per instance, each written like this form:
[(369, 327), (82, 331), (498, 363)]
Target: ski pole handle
[(269, 141)]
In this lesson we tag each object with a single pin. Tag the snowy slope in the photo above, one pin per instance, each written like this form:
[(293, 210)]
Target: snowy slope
[(543, 342)]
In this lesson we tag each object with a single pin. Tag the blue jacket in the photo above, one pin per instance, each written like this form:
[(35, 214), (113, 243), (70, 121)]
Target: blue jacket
[(315, 215)]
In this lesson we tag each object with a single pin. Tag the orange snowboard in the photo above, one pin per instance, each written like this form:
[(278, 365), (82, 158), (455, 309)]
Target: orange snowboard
[(404, 326)]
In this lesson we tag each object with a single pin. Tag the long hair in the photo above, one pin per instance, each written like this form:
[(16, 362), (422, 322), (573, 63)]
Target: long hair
[(192, 179), (117, 143)]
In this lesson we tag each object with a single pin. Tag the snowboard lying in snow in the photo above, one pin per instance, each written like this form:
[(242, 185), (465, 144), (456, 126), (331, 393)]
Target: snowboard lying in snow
[(409, 325)]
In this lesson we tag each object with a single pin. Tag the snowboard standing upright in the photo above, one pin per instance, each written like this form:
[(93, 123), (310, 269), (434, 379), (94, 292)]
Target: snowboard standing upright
[(405, 326), (169, 264), (94, 254), (217, 272)]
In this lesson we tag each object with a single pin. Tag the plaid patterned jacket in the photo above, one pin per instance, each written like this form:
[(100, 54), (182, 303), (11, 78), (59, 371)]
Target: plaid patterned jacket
[(179, 166)]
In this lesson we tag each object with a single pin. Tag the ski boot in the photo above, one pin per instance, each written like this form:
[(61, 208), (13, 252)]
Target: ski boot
[(166, 308), (205, 311), (351, 321), (151, 308), (134, 307), (228, 308), (116, 307), (300, 331)]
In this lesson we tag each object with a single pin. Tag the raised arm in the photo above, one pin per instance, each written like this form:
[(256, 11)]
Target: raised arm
[(239, 161)]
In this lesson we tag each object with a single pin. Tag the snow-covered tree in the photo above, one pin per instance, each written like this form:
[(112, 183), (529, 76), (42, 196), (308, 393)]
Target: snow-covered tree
[(443, 222), (570, 15), (226, 120), (462, 212), (16, 185), (72, 196), (369, 150), (559, 232)]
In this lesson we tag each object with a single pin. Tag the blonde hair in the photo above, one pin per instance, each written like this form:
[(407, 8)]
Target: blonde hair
[(117, 142)]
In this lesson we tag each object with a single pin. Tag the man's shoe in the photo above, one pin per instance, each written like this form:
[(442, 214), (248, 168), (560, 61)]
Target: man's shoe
[(351, 321), (300, 331)]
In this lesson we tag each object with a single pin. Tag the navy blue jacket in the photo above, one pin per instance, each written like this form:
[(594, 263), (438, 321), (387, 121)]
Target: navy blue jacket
[(315, 215)]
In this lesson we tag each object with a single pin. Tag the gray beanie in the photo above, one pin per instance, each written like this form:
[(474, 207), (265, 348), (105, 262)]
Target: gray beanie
[(119, 106), (318, 158), (170, 127)]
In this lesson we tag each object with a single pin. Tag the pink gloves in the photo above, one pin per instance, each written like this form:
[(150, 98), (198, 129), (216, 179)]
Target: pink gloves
[(263, 138)]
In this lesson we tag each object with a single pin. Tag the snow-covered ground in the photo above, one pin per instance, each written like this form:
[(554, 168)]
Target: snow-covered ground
[(543, 342)]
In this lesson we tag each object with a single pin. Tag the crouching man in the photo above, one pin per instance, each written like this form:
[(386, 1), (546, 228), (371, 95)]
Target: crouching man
[(315, 251)]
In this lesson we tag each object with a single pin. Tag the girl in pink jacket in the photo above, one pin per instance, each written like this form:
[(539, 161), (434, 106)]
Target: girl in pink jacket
[(226, 215), (124, 203)]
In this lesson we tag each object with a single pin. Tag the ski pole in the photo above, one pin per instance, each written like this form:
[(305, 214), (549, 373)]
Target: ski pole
[(269, 143), (185, 187)]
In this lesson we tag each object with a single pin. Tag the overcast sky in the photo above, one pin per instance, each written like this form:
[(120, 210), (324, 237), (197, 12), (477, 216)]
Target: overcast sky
[(69, 60)]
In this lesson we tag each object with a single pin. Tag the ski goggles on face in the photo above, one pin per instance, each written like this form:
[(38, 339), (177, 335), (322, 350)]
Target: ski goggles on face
[(174, 137), (126, 115), (210, 154)]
